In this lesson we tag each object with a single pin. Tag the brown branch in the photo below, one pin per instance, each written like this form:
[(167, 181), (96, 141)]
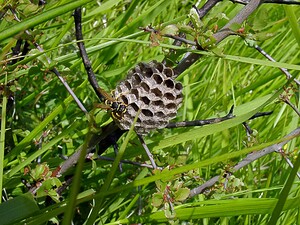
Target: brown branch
[(244, 2), (289, 103), (85, 59), (105, 133), (202, 122), (249, 159), (191, 58), (206, 8)]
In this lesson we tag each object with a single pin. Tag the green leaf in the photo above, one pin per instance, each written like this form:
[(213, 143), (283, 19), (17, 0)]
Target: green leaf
[(260, 22), (181, 194), (161, 185), (29, 8), (169, 212), (17, 208), (40, 172), (170, 29), (157, 199)]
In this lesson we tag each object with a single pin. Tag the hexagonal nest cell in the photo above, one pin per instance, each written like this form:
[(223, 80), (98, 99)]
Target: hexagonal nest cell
[(151, 88)]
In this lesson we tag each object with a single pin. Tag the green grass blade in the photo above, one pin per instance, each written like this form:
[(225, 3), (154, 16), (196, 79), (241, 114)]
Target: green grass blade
[(93, 49), (17, 208), (223, 208), (232, 73), (290, 12), (133, 201), (75, 187), (171, 173), (111, 174), (2, 137), (284, 193), (41, 18), (249, 60), (293, 203), (28, 139), (45, 148), (242, 114), (144, 18), (38, 130), (114, 41), (104, 7)]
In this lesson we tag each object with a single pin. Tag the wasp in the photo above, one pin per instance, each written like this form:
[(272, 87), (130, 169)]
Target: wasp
[(118, 108)]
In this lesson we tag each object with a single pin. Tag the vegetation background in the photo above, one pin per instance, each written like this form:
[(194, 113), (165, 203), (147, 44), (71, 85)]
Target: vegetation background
[(41, 124)]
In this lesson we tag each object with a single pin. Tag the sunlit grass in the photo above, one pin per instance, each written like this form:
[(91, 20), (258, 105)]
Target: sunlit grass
[(44, 122)]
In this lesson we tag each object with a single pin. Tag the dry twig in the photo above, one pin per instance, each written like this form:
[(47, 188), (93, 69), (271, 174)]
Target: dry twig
[(249, 159)]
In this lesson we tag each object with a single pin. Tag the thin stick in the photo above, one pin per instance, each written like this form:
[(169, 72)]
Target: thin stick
[(213, 120), (249, 159), (282, 153), (176, 38), (283, 70), (248, 129), (201, 122), (206, 8), (287, 74), (244, 2), (127, 162), (147, 151), (287, 101), (260, 114), (54, 70)]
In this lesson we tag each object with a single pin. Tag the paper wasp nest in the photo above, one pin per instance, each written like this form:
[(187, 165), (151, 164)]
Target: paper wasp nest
[(151, 88)]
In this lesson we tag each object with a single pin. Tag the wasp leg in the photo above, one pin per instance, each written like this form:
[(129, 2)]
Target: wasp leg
[(102, 106)]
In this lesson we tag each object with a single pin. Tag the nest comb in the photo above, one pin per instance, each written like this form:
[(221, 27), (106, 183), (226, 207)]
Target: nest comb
[(151, 88)]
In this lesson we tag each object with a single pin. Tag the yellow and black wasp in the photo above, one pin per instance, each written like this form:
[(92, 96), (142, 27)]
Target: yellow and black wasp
[(117, 108)]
